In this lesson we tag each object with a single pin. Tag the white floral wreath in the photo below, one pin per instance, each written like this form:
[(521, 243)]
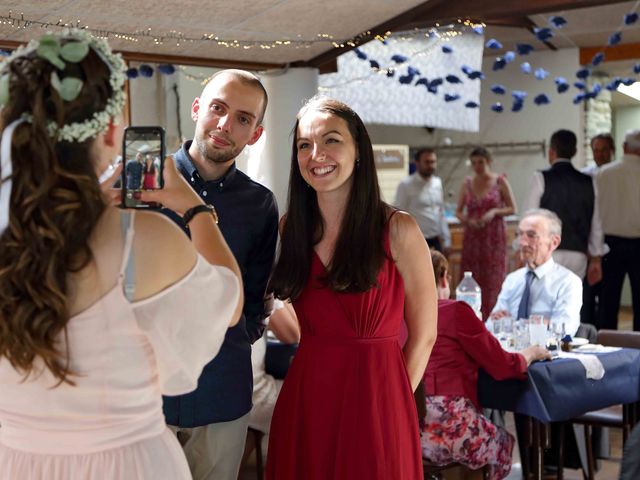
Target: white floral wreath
[(48, 47)]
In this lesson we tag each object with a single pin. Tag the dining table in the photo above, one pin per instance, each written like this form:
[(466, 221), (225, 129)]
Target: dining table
[(558, 390)]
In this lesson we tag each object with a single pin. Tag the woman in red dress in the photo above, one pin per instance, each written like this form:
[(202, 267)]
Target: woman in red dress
[(455, 429), (150, 181), (485, 199), (353, 268)]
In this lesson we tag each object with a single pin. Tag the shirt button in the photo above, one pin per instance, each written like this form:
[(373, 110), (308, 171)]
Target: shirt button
[(221, 184), (192, 179), (204, 193)]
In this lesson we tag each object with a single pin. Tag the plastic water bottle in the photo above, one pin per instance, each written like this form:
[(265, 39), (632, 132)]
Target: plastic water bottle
[(469, 291)]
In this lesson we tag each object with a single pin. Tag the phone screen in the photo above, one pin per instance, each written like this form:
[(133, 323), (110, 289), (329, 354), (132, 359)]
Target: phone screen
[(143, 154)]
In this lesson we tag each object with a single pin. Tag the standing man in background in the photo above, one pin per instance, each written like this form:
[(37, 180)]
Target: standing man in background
[(211, 422), (619, 201), (572, 196), (421, 195), (603, 148)]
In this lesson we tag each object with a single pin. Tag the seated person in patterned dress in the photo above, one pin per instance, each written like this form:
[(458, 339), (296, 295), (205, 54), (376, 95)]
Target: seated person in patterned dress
[(455, 429)]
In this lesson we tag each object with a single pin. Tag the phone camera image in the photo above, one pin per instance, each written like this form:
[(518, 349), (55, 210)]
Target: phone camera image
[(143, 153)]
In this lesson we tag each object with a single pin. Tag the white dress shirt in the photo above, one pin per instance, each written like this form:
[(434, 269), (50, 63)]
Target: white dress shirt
[(619, 199), (575, 261), (424, 200), (556, 293)]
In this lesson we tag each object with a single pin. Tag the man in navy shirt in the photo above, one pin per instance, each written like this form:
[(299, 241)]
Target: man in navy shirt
[(211, 422)]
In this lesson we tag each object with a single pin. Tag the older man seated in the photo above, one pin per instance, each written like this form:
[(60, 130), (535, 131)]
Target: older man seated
[(541, 287)]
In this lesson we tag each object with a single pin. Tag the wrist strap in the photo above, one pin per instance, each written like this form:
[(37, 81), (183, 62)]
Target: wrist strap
[(193, 211)]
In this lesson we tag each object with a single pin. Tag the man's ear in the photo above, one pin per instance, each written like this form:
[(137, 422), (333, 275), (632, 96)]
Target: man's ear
[(442, 282), (195, 108), (555, 241), (256, 135)]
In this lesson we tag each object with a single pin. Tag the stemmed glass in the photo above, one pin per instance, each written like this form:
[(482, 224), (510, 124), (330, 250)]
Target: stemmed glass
[(557, 330)]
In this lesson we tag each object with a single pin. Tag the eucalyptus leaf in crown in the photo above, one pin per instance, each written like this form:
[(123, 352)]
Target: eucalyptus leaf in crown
[(50, 48)]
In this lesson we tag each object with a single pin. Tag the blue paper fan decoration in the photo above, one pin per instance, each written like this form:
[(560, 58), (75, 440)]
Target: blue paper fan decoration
[(436, 82), (541, 73), (525, 68), (630, 18), (497, 107), (557, 21), (405, 79), (541, 99), (453, 79), (519, 95), (543, 34), (509, 56), (447, 49), (628, 81), (498, 89), (412, 71), (580, 85), (146, 70), (471, 105), (579, 98), (451, 98), (524, 48), (493, 44), (422, 81), (399, 58), (361, 55), (583, 73), (499, 64), (597, 59), (561, 84), (517, 106), (374, 64), (615, 38), (132, 73), (166, 69)]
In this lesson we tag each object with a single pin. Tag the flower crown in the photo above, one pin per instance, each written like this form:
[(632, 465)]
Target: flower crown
[(49, 48)]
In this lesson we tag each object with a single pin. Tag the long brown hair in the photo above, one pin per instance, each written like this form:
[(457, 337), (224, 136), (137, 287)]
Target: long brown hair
[(55, 204), (359, 250)]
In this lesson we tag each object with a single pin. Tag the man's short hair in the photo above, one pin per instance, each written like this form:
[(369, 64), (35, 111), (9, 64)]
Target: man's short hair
[(246, 78), (553, 220), (422, 151), (607, 137), (564, 142), (632, 139)]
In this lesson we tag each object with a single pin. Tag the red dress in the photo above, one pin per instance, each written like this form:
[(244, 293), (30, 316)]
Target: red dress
[(346, 410), (484, 250)]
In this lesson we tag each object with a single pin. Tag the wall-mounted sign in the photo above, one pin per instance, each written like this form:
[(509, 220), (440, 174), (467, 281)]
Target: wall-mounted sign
[(391, 156)]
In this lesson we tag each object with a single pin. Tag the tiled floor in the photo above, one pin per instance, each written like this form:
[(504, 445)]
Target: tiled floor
[(609, 470)]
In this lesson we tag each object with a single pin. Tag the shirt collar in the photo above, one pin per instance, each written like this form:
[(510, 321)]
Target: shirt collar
[(543, 269), (185, 163)]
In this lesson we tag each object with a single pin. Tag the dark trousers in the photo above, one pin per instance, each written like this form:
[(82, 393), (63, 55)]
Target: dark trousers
[(622, 259), (591, 311), (434, 242)]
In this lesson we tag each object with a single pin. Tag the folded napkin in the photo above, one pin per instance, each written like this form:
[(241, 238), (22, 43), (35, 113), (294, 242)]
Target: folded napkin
[(595, 348), (591, 363)]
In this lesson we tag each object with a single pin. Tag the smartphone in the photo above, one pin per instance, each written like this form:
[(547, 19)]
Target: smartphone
[(143, 151)]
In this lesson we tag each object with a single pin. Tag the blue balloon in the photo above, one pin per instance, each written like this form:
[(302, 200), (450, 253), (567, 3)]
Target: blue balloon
[(541, 99), (453, 79), (361, 55), (563, 87), (524, 48), (497, 107), (447, 49), (132, 73), (451, 98), (493, 44), (628, 81), (525, 68), (471, 105), (630, 18), (498, 89)]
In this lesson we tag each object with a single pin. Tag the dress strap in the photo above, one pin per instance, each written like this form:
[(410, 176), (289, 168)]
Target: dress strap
[(127, 269)]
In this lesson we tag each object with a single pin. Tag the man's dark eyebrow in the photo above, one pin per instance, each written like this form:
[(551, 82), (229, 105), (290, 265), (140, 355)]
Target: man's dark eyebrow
[(218, 100)]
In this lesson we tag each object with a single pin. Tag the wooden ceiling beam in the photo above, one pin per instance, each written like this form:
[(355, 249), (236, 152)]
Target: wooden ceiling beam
[(441, 11), (176, 59)]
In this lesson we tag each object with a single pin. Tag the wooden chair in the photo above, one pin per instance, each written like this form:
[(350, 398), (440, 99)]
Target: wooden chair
[(617, 416)]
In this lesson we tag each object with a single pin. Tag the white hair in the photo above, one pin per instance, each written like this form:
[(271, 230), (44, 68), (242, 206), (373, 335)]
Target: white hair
[(632, 140), (553, 221)]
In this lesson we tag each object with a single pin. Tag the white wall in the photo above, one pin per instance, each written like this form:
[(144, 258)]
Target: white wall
[(533, 123)]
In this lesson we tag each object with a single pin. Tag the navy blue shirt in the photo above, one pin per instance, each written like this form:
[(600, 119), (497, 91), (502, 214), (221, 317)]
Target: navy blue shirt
[(248, 219)]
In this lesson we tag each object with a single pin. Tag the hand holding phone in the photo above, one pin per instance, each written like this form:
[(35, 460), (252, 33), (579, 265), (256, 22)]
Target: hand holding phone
[(143, 152)]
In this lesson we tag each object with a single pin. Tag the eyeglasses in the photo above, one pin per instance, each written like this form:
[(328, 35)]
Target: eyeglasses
[(529, 234)]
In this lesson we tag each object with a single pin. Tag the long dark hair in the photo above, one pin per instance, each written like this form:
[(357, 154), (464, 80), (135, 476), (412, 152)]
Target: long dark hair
[(55, 204), (359, 250)]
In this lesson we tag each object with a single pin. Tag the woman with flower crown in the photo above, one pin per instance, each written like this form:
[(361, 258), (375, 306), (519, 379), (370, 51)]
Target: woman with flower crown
[(101, 310)]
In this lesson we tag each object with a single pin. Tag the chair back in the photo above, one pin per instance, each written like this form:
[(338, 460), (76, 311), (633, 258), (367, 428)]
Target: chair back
[(619, 338)]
